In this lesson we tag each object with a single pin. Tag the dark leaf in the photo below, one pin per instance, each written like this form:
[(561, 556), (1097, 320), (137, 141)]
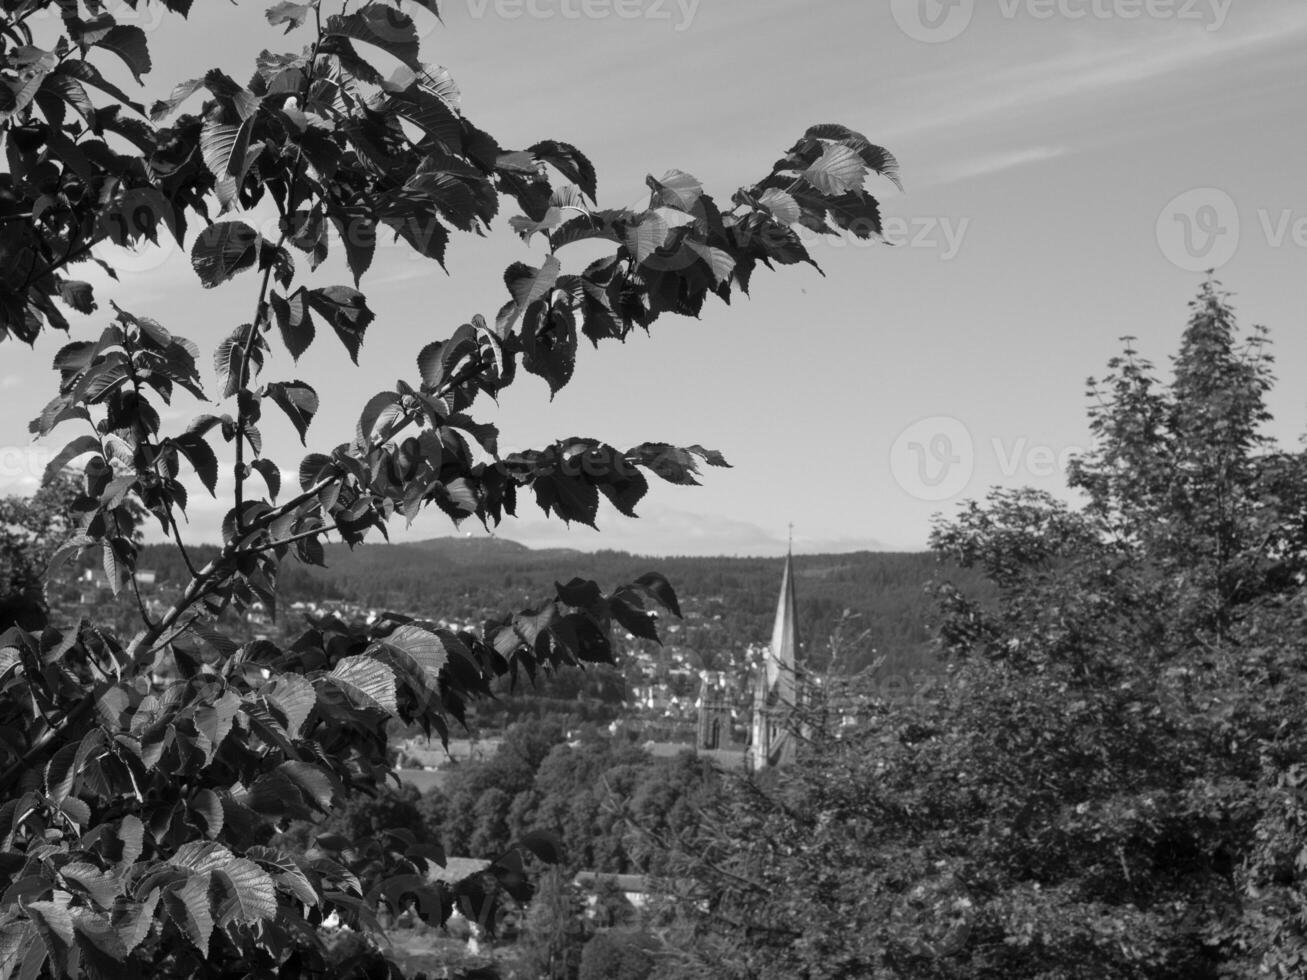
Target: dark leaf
[(223, 249), (298, 400), (347, 312)]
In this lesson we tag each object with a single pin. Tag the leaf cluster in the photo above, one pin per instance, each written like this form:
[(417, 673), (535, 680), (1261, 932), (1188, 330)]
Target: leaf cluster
[(143, 779)]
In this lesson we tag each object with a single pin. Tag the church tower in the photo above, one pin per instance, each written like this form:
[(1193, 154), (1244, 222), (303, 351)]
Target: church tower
[(776, 689), (714, 713)]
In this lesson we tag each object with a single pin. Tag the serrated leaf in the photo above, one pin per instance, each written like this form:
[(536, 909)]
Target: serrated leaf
[(440, 83), (180, 94), (549, 345), (200, 856), (295, 697), (248, 895), (380, 408), (77, 809), (656, 585), (16, 938), (295, 789), (101, 946), (214, 720), (78, 447), (101, 886), (877, 158), (528, 284), (88, 74), (30, 65), (310, 466), (838, 170), (298, 400), (368, 679), (54, 924), (224, 249), (417, 653), (132, 920), (357, 226), (128, 42), (71, 91), (294, 321), (187, 904), (429, 114), (570, 498), (286, 873), (61, 771), (632, 617), (207, 805), (131, 833), (290, 14), (384, 27), (78, 295), (226, 150), (783, 207), (346, 310), (570, 162), (646, 236), (675, 189), (201, 456), (271, 474), (721, 263)]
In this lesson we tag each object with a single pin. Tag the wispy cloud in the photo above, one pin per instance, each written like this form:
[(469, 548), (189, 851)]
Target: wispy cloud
[(1088, 73), (993, 163)]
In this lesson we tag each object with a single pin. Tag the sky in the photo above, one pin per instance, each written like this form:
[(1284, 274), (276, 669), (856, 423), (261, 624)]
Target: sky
[(1070, 167)]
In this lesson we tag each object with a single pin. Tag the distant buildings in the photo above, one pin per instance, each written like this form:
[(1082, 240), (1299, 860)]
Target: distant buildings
[(775, 688)]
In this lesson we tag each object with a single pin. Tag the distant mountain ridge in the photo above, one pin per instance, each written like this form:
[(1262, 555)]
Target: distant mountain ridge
[(471, 579)]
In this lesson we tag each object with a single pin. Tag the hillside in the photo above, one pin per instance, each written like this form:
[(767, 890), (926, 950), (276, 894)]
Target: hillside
[(470, 579)]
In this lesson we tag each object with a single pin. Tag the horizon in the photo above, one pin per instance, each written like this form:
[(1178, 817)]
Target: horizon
[(503, 539)]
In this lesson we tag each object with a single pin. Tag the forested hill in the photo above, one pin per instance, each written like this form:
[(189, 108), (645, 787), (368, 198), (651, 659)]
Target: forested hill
[(472, 578)]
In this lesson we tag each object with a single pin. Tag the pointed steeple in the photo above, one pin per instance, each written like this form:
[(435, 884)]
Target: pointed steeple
[(783, 655), (776, 688)]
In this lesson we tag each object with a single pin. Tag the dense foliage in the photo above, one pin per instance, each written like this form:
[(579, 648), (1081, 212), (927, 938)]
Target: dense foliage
[(143, 777), (30, 531), (618, 954), (608, 801), (1109, 786)]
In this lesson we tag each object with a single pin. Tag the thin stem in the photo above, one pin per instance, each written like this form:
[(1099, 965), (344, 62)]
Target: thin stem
[(260, 311), (261, 306), (181, 547), (311, 533)]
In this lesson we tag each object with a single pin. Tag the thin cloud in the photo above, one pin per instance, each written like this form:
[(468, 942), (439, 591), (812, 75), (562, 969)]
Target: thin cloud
[(993, 163), (1095, 72)]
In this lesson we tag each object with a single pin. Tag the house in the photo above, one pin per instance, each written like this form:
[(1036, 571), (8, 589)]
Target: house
[(636, 889)]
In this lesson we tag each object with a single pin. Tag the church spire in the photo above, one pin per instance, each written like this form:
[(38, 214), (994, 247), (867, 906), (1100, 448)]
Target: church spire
[(783, 655), (775, 696)]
